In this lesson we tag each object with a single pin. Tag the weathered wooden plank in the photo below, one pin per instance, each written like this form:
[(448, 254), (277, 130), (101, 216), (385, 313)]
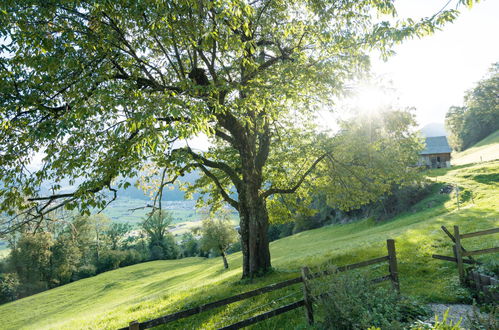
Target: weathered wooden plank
[(206, 307), (458, 253), (134, 325), (264, 316), (382, 278), (350, 267), (309, 310), (483, 251), (480, 233), (485, 280), (454, 240), (476, 279), (392, 264), (446, 258)]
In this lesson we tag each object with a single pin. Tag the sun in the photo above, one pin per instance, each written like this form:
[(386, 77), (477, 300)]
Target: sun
[(367, 98)]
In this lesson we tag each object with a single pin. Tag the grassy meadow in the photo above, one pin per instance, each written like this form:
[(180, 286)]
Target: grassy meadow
[(485, 150), (148, 290)]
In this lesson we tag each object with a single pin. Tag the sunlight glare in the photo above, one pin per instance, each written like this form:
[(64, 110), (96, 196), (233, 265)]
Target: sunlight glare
[(369, 99)]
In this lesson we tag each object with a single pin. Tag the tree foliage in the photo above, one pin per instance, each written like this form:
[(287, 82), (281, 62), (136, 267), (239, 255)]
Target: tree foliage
[(218, 234), (102, 88), (117, 232), (479, 117), (161, 243)]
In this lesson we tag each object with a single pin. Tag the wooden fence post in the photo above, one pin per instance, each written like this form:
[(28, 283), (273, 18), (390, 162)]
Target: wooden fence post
[(134, 325), (392, 264), (458, 253), (309, 310)]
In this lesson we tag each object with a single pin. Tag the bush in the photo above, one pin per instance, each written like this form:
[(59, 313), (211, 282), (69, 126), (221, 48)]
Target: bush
[(234, 247), (131, 257), (485, 321), (280, 230), (352, 302), (9, 286), (84, 272), (165, 249), (110, 259)]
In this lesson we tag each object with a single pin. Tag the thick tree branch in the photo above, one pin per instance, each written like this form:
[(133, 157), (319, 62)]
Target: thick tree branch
[(263, 147), (224, 136), (219, 165), (215, 180)]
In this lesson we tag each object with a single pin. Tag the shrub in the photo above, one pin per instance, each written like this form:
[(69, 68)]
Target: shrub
[(131, 257), (280, 230), (349, 301), (234, 247), (84, 272), (485, 321), (110, 259), (164, 249), (9, 285)]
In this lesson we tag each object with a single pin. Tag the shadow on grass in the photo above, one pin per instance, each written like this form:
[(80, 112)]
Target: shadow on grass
[(492, 178)]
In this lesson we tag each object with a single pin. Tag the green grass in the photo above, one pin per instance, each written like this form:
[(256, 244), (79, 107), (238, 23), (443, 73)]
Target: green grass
[(485, 150), (148, 290)]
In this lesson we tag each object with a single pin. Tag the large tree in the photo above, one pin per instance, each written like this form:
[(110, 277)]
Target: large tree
[(101, 88)]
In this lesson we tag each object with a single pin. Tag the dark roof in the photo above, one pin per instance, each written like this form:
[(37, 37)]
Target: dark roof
[(436, 145)]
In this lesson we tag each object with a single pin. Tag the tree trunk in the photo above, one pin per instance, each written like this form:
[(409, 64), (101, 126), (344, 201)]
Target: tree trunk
[(226, 264), (254, 222)]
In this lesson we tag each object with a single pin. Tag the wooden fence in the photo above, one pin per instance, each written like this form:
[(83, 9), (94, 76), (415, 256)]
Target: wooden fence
[(306, 302), (484, 284), (460, 251)]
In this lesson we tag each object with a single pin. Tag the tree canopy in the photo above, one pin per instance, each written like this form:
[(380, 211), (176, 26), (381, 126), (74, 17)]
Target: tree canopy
[(479, 116), (101, 88)]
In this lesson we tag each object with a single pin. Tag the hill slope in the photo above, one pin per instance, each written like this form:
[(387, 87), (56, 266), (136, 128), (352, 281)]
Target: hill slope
[(485, 150), (148, 290)]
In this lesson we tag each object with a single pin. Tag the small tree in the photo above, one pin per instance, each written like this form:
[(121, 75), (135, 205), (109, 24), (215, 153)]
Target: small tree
[(218, 234), (161, 243), (189, 245), (31, 261), (116, 233)]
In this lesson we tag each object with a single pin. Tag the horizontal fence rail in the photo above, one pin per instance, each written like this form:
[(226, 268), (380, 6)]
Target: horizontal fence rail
[(484, 251), (481, 233), (306, 302), (219, 303), (265, 316), (446, 258)]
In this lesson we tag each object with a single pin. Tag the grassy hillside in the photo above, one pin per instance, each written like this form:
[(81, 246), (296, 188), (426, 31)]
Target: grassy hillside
[(144, 291), (485, 150)]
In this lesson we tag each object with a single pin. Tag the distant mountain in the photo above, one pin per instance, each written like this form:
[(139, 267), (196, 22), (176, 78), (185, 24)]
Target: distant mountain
[(433, 129)]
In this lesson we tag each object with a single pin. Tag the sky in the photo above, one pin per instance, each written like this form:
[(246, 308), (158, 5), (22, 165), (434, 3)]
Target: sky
[(434, 72)]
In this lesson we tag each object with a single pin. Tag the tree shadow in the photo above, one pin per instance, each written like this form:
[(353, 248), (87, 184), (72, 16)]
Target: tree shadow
[(489, 179)]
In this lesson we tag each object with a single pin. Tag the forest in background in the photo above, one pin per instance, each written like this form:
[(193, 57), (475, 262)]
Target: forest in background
[(479, 116)]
